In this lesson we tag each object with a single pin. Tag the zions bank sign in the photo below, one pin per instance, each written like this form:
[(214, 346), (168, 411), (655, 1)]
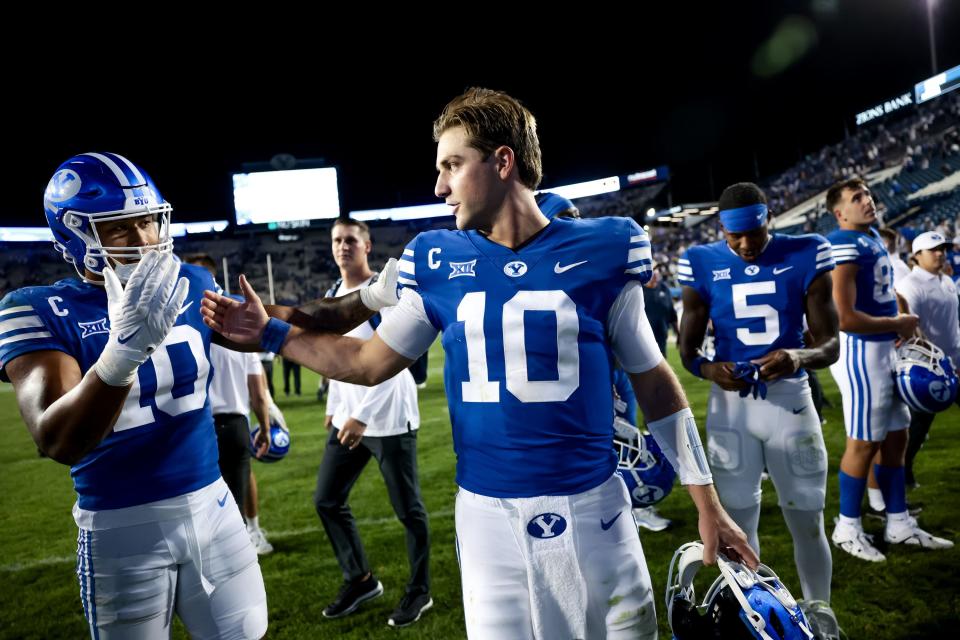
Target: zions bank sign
[(883, 109)]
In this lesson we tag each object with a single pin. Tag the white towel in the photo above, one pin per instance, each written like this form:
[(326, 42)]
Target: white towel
[(558, 592)]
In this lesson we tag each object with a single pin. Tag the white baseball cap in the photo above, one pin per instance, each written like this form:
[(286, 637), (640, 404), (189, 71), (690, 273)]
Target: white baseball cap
[(929, 240)]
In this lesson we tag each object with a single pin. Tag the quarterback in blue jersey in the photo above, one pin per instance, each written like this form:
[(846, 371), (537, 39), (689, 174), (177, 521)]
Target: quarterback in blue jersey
[(872, 318), (756, 287), (111, 374), (533, 313)]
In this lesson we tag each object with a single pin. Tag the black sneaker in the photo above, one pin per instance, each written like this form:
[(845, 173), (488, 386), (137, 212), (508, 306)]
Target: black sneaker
[(351, 595), (411, 607)]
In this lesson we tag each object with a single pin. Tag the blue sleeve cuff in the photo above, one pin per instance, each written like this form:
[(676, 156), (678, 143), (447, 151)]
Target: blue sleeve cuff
[(274, 335), (696, 364)]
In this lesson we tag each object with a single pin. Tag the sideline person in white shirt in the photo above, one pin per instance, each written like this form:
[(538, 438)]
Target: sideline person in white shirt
[(377, 422), (932, 296)]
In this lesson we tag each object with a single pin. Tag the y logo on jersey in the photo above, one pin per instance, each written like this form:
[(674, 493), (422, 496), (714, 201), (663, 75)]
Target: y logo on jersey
[(752, 270), (721, 274), (458, 269), (546, 525), (93, 328), (515, 269)]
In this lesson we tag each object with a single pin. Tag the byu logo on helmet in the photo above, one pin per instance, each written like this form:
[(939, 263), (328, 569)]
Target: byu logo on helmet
[(926, 378), (939, 390), (546, 525), (64, 185), (515, 269), (279, 441)]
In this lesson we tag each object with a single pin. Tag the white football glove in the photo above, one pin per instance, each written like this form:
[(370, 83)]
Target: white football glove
[(383, 292), (276, 415), (141, 315)]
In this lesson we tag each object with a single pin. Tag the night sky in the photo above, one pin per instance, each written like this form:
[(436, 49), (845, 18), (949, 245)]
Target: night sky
[(715, 95)]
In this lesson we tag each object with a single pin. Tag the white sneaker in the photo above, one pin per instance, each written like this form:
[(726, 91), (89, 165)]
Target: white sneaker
[(648, 518), (909, 532), (260, 543), (854, 541)]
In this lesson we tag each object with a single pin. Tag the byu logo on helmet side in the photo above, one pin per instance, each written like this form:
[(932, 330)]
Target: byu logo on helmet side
[(64, 185)]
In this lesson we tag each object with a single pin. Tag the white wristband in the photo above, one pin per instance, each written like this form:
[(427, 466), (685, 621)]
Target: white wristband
[(679, 439), (117, 366)]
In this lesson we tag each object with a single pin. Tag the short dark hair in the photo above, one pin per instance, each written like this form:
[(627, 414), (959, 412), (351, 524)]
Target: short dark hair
[(350, 222), (741, 194), (835, 193)]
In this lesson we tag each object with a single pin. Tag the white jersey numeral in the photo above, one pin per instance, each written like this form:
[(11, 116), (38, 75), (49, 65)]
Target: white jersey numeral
[(770, 316), (883, 280), (479, 388), (193, 392)]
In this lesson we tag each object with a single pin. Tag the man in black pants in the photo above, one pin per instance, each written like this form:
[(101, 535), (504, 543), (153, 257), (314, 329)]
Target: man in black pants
[(291, 367), (377, 422)]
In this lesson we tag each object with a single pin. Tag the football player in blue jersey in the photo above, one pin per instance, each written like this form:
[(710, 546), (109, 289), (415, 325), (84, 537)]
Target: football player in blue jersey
[(756, 286), (533, 314), (111, 374), (872, 317)]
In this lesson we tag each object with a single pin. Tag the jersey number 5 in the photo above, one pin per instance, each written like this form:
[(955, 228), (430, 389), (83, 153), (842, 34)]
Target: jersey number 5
[(770, 316)]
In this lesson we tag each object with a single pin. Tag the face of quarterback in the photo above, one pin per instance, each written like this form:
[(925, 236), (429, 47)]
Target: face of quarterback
[(468, 181)]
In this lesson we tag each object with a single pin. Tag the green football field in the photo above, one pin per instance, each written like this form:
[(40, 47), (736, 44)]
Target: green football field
[(915, 594)]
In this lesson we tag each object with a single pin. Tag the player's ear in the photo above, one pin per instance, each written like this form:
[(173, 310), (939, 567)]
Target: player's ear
[(505, 161)]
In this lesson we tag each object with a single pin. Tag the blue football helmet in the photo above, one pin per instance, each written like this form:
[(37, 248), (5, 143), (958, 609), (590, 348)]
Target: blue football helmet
[(101, 187), (741, 604), (279, 440), (646, 471), (926, 378)]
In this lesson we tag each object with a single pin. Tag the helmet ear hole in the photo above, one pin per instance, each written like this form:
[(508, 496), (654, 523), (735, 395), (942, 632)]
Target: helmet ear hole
[(777, 625)]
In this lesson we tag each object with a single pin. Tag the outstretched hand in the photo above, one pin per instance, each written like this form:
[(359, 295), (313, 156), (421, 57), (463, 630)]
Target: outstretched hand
[(242, 322)]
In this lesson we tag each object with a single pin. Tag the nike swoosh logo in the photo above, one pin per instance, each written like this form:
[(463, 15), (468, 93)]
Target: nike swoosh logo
[(558, 269), (798, 411), (777, 271), (222, 501), (607, 525), (124, 340), (184, 308)]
